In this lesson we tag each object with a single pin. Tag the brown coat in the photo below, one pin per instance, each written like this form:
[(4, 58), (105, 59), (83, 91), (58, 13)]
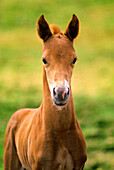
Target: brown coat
[(48, 138)]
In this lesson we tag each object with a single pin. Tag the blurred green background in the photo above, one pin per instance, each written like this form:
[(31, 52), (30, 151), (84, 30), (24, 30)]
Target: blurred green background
[(92, 81)]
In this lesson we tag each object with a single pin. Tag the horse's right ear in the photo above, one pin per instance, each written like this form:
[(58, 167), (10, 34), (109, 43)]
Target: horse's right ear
[(43, 28)]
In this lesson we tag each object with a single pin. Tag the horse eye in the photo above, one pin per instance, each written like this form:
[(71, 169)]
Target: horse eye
[(44, 61), (74, 60)]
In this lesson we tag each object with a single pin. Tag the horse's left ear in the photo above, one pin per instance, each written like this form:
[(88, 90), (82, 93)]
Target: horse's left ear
[(73, 28), (43, 28)]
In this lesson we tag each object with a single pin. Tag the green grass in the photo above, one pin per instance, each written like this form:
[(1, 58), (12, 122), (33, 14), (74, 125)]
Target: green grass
[(92, 81)]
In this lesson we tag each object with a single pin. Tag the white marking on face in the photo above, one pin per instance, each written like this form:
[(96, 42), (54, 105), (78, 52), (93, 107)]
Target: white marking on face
[(51, 86), (66, 84)]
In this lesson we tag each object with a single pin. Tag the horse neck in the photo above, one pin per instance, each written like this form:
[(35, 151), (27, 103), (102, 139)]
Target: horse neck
[(55, 117)]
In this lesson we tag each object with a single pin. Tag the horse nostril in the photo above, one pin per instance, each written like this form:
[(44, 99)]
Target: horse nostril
[(61, 93), (68, 91), (65, 93), (54, 91)]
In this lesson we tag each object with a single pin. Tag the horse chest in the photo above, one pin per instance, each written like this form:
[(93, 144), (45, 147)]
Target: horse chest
[(54, 156), (56, 152)]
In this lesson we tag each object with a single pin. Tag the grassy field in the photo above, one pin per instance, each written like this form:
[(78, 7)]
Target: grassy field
[(92, 81)]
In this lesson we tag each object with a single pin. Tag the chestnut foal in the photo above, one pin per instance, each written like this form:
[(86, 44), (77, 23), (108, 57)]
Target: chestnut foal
[(49, 138)]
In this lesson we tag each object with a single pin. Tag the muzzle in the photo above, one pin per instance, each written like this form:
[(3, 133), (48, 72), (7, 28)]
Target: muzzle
[(60, 95)]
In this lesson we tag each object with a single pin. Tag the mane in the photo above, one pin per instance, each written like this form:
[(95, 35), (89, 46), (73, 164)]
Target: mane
[(55, 29)]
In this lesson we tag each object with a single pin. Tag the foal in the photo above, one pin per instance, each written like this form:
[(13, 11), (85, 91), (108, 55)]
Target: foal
[(49, 138)]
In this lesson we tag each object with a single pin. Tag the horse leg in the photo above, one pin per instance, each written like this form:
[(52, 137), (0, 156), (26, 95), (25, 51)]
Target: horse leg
[(79, 168), (11, 160)]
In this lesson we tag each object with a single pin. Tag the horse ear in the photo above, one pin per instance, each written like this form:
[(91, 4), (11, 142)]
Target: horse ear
[(43, 29), (73, 28)]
